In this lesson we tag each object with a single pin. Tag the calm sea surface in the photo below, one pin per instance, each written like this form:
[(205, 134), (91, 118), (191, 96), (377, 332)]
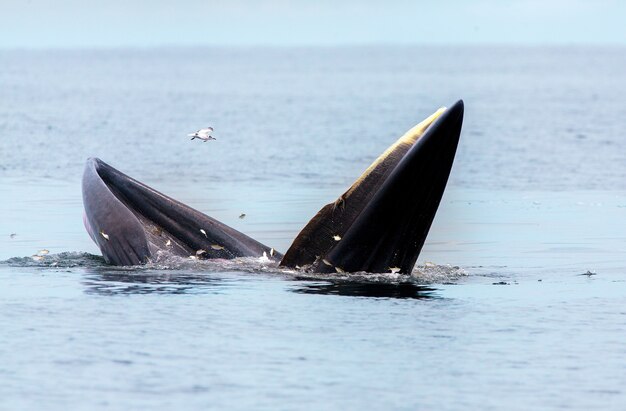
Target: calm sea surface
[(497, 315)]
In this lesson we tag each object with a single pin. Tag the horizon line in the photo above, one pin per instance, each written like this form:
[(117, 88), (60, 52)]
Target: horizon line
[(270, 45)]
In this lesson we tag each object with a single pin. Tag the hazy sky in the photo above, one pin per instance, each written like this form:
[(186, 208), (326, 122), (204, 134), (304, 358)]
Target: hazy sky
[(86, 23)]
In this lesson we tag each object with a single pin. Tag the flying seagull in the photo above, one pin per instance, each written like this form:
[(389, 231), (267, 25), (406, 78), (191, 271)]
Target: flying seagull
[(203, 134)]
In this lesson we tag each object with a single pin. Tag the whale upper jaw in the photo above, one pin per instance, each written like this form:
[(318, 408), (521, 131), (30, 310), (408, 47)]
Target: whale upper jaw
[(378, 225)]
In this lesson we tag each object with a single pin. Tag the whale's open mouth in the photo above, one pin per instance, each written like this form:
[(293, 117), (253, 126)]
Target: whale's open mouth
[(378, 225)]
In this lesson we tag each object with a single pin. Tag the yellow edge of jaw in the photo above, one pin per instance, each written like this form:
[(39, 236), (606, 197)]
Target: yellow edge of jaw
[(409, 137), (416, 132)]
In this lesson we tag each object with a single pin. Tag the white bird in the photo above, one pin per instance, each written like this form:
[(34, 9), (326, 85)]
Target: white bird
[(203, 134)]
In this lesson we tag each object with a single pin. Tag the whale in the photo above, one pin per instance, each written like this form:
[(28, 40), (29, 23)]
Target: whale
[(379, 224)]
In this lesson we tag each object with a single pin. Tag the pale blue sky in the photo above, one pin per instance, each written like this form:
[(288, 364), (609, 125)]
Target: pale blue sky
[(76, 23)]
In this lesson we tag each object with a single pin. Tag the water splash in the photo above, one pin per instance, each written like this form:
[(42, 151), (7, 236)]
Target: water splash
[(428, 273), (69, 259)]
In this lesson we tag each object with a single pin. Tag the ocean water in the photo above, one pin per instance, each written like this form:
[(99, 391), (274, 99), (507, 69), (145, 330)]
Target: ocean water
[(498, 314)]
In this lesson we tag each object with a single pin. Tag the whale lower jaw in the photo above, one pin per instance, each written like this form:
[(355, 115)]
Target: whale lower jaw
[(130, 222), (379, 225)]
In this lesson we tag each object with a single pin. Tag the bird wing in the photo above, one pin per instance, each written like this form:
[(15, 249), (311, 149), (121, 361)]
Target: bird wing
[(202, 133)]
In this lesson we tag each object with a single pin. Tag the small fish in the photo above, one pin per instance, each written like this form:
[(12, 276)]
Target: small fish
[(36, 257), (339, 203), (272, 252), (12, 235), (336, 237), (298, 267), (203, 134), (43, 252), (325, 261), (242, 216), (394, 270), (339, 270), (54, 264), (157, 231), (217, 247), (200, 252), (203, 232), (106, 236), (168, 243)]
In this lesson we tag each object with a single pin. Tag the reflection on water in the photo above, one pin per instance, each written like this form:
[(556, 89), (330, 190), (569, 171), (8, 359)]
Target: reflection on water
[(105, 281), (377, 290), (108, 281)]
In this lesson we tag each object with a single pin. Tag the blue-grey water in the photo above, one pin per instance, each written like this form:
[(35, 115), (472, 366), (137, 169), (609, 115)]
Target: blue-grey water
[(496, 316)]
